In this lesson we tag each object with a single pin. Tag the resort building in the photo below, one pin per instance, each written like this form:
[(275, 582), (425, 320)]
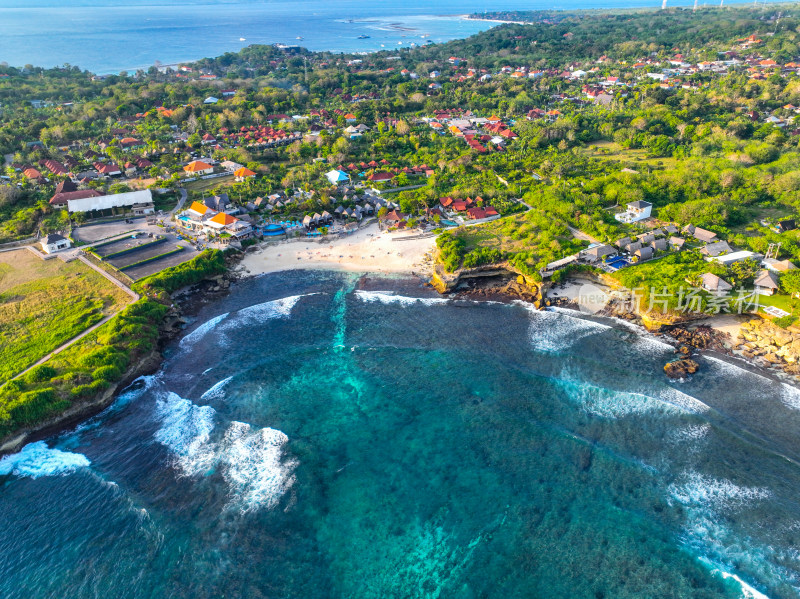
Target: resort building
[(728, 259), (140, 202), (224, 227), (716, 249), (766, 283), (336, 177), (61, 199), (636, 211), (593, 254), (644, 253), (714, 285), (55, 243), (777, 265)]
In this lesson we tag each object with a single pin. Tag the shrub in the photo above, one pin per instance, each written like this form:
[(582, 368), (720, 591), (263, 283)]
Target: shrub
[(106, 373), (40, 374)]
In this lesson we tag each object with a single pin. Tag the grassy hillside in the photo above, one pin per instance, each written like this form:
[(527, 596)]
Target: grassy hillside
[(44, 304)]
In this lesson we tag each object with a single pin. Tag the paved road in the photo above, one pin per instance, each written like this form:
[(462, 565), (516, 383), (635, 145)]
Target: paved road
[(181, 201), (116, 282), (578, 234)]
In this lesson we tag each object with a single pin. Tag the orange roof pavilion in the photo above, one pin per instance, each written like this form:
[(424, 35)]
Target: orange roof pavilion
[(223, 219), (199, 208)]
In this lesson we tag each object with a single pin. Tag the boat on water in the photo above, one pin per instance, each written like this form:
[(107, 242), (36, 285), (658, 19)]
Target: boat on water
[(241, 39), (363, 37), (299, 37)]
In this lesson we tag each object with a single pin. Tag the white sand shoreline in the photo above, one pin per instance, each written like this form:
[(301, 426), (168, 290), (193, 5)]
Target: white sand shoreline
[(368, 250)]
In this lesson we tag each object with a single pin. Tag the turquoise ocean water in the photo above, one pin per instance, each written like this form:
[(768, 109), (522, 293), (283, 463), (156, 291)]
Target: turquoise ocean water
[(328, 435), (107, 36)]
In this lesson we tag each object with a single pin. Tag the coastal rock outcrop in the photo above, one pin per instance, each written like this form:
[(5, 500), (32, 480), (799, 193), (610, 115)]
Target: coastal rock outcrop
[(701, 337), (680, 369), (761, 340)]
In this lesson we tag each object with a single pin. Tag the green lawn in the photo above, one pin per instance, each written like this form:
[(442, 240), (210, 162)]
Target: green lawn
[(44, 304), (608, 150), (782, 301), (206, 184)]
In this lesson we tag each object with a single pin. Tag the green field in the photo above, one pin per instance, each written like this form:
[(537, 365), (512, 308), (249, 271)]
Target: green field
[(199, 185), (613, 152), (44, 304)]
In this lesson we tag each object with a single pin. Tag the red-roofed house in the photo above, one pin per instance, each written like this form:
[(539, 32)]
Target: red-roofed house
[(60, 200)]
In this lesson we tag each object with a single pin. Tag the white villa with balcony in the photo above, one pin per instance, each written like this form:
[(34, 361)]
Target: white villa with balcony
[(636, 211)]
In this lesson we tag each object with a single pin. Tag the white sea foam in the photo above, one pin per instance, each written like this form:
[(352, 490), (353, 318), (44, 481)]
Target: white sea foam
[(682, 400), (186, 430), (135, 390), (748, 592), (218, 390), (251, 461), (650, 345), (730, 369), (279, 308), (254, 467), (608, 403), (556, 331), (37, 459), (201, 331), (719, 494), (389, 297), (790, 396), (693, 432)]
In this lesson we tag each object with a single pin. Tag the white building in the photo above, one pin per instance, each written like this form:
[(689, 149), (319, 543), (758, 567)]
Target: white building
[(636, 211), (55, 243), (141, 200), (728, 259)]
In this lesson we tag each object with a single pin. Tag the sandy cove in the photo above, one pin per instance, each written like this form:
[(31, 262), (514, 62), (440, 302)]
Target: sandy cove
[(368, 250)]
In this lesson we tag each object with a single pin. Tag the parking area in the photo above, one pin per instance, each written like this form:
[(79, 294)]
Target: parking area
[(159, 245), (128, 243), (92, 233), (145, 270)]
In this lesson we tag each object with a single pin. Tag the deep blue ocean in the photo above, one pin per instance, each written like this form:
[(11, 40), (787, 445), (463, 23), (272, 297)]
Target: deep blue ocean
[(332, 435), (108, 36)]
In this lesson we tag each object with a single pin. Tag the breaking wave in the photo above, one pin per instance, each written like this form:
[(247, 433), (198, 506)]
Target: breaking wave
[(608, 403), (37, 459), (217, 390), (389, 297), (186, 430), (710, 504), (699, 489), (251, 461), (790, 396), (201, 331), (279, 308), (253, 466), (556, 331)]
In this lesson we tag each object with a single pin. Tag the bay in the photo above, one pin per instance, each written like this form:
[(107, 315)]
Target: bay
[(330, 435)]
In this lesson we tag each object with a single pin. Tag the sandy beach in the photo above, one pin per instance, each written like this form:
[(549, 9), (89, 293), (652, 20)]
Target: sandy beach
[(367, 250)]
